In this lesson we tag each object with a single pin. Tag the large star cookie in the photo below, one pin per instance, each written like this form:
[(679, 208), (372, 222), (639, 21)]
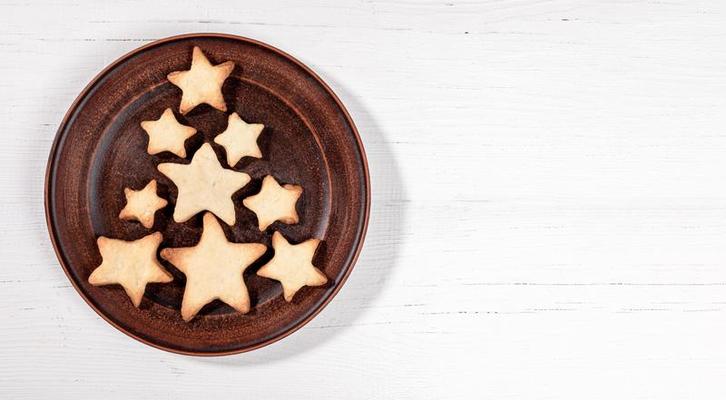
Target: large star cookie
[(202, 83), (167, 134), (274, 203), (292, 265), (204, 185), (130, 264), (239, 139), (214, 269), (141, 205)]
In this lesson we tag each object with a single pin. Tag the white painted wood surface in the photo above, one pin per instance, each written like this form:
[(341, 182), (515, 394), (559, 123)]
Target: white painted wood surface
[(549, 201)]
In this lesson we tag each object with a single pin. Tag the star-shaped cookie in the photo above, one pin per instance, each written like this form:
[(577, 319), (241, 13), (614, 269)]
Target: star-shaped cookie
[(214, 269), (239, 139), (204, 185), (167, 134), (274, 203), (141, 205), (129, 264), (292, 265), (202, 83)]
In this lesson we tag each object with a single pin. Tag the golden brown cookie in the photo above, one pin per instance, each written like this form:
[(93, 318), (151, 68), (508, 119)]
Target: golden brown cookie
[(239, 139), (292, 265), (141, 205), (202, 83), (167, 134), (129, 264), (274, 203), (214, 269), (204, 185)]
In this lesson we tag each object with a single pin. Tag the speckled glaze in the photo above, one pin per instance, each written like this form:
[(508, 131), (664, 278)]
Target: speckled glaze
[(309, 140)]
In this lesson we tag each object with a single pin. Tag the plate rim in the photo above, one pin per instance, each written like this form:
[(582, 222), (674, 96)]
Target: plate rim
[(59, 136)]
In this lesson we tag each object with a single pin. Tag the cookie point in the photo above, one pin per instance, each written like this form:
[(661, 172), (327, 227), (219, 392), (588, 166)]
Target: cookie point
[(277, 236), (260, 248), (172, 76), (156, 236), (221, 106), (208, 218)]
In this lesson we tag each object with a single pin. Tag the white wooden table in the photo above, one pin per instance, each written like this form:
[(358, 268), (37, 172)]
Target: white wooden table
[(549, 202)]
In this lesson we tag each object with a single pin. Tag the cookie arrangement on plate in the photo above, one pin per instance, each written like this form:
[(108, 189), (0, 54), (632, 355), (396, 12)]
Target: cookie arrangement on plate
[(213, 267)]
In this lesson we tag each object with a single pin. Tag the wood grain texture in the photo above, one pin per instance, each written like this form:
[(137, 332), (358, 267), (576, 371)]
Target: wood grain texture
[(548, 216)]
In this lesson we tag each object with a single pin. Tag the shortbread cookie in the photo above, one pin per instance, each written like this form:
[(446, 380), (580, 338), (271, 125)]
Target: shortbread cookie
[(214, 269), (292, 265), (239, 139), (202, 83), (130, 264), (167, 134), (141, 205), (204, 185), (274, 203)]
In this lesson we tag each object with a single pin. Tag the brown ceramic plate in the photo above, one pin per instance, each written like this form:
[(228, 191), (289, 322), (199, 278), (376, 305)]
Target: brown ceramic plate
[(309, 139)]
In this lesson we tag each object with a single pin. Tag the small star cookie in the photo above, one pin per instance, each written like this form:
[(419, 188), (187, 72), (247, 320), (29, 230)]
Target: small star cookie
[(274, 203), (292, 265), (239, 139), (141, 205), (214, 269), (204, 185), (202, 83), (167, 134), (129, 264)]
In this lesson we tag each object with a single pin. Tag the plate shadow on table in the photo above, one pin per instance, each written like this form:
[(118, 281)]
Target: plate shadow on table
[(378, 257)]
